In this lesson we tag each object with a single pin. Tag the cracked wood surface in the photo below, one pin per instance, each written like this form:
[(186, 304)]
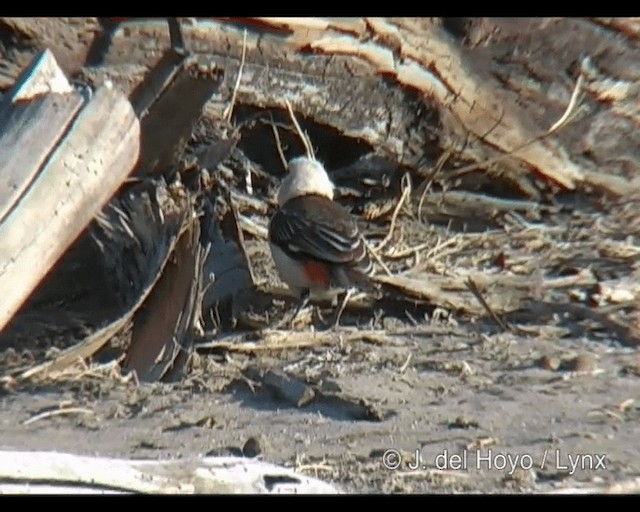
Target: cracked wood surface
[(412, 88), (55, 201)]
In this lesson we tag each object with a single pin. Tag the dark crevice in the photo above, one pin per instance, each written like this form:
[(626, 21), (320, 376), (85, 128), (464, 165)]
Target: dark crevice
[(457, 27), (258, 143)]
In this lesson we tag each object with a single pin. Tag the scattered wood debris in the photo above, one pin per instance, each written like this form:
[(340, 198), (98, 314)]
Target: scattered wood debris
[(195, 276), (145, 248), (298, 393), (501, 198)]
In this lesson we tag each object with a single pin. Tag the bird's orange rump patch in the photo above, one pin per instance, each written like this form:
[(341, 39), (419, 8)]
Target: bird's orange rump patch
[(317, 273)]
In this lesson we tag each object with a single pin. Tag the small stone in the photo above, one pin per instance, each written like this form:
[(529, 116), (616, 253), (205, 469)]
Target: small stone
[(464, 422), (550, 363), (583, 363), (255, 445)]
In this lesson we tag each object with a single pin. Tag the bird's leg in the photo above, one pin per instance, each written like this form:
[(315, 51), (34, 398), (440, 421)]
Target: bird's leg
[(303, 303), (343, 298)]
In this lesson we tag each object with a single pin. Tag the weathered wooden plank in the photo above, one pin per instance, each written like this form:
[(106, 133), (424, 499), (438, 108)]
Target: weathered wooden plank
[(156, 81), (43, 76), (178, 90), (27, 137), (100, 150), (162, 329), (198, 475), (42, 92)]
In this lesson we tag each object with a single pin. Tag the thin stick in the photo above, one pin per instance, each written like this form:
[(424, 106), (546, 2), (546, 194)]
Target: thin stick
[(416, 248), (473, 288), (406, 189), (276, 136), (342, 306), (290, 340), (405, 365), (561, 122), (439, 165), (376, 257), (570, 107), (229, 112), (58, 412), (303, 136)]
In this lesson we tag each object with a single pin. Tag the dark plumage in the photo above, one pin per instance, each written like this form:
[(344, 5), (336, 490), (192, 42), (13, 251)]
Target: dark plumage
[(313, 228)]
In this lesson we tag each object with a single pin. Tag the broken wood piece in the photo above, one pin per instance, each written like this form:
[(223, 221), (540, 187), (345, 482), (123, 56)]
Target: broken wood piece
[(298, 393), (502, 293), (163, 327), (290, 389), (353, 408), (432, 64), (26, 142), (617, 291), (42, 77), (626, 333), (462, 203), (169, 101), (77, 179), (422, 288), (135, 236), (45, 472), (273, 340)]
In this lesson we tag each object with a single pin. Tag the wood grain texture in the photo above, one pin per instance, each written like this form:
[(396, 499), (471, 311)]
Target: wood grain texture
[(163, 326), (42, 472), (42, 76), (26, 142), (100, 150)]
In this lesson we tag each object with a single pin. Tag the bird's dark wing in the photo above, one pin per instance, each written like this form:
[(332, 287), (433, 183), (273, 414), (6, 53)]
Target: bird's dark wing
[(316, 227)]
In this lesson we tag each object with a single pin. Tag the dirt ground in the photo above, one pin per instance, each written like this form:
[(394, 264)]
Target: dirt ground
[(406, 395), (484, 410), (441, 396)]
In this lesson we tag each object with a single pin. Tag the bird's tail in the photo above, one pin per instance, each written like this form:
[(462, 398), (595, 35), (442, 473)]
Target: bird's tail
[(360, 274)]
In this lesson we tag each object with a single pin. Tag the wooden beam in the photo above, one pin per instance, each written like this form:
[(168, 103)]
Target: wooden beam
[(46, 472), (51, 194)]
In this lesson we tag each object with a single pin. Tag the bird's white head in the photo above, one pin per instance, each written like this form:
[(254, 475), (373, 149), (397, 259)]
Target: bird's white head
[(306, 176)]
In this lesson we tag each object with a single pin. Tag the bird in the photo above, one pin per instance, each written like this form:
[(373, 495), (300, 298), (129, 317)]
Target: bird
[(316, 245)]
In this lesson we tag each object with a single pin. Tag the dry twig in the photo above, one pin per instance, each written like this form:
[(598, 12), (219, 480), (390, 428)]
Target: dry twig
[(406, 190), (303, 136), (276, 136), (555, 127), (229, 109), (58, 412)]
